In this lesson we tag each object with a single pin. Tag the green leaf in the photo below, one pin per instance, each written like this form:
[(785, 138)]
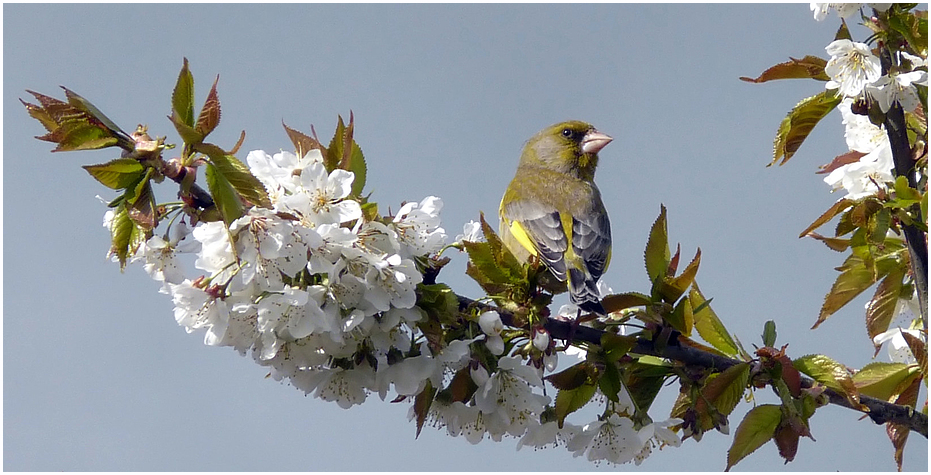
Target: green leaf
[(439, 302), (182, 98), (73, 125), (725, 389), (491, 264), (209, 116), (829, 373), (843, 33), (877, 226), (756, 429), (335, 150), (188, 133), (610, 381), (571, 377), (237, 174), (656, 255), (85, 106), (344, 153), (905, 192), (125, 235), (835, 209), (571, 400), (913, 28), (645, 378), (769, 333), (881, 308), (618, 302), (884, 380), (809, 67), (616, 346), (854, 278), (117, 174), (224, 195), (682, 317), (80, 136), (358, 168), (709, 326), (800, 121), (142, 204)]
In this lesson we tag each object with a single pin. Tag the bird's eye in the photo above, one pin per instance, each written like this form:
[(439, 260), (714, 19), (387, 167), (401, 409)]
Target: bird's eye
[(567, 133)]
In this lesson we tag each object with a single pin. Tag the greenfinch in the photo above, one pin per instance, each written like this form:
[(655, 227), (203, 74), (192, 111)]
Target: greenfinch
[(553, 210)]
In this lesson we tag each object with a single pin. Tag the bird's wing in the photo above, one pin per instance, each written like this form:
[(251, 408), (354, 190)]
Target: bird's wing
[(543, 225), (591, 239), (591, 242)]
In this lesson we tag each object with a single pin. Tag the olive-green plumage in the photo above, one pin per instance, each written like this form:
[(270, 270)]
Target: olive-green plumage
[(553, 210)]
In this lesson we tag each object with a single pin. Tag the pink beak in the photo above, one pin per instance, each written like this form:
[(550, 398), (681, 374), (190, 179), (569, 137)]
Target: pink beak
[(594, 141)]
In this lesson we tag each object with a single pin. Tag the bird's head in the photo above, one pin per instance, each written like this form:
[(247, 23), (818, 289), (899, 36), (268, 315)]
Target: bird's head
[(567, 147)]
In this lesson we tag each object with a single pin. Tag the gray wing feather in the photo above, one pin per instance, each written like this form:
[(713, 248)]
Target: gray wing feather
[(544, 226)]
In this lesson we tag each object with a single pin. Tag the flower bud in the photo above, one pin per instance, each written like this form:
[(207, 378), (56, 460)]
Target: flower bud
[(541, 338), (490, 323)]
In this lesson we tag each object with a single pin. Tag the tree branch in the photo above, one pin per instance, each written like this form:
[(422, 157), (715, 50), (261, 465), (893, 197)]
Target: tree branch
[(916, 240), (879, 411)]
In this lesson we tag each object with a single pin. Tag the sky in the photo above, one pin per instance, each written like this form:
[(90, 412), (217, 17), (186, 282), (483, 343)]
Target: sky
[(98, 376)]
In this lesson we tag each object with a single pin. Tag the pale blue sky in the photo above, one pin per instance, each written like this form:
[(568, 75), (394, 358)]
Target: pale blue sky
[(97, 374)]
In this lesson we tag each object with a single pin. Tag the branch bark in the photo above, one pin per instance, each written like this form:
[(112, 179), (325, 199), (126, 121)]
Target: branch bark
[(879, 411), (916, 240)]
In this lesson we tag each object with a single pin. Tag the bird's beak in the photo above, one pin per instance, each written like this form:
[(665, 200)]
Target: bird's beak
[(594, 141)]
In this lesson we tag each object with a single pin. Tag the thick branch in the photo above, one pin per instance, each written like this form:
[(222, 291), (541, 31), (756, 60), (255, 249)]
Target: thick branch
[(879, 411), (916, 240)]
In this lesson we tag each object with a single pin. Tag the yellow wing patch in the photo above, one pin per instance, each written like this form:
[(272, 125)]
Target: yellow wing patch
[(521, 236)]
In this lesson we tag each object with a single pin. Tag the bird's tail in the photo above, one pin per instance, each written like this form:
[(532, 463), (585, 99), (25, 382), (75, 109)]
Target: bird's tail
[(583, 291)]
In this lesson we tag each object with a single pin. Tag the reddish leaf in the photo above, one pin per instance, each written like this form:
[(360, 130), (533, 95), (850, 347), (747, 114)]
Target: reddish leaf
[(835, 244), (839, 207), (422, 403), (809, 67), (209, 116), (843, 159), (303, 143), (881, 308), (786, 439)]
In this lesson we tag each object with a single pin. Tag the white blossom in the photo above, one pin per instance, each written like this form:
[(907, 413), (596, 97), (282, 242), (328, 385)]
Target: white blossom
[(612, 439), (319, 198), (195, 308), (491, 325), (418, 227), (852, 66), (898, 88), (472, 232), (843, 10), (160, 261), (548, 434), (507, 400), (860, 178)]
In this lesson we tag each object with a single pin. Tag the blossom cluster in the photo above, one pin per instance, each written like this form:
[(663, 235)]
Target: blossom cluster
[(309, 286), (856, 73), (326, 298)]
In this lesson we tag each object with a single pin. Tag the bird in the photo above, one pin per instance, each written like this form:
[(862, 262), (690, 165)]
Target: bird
[(553, 210)]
